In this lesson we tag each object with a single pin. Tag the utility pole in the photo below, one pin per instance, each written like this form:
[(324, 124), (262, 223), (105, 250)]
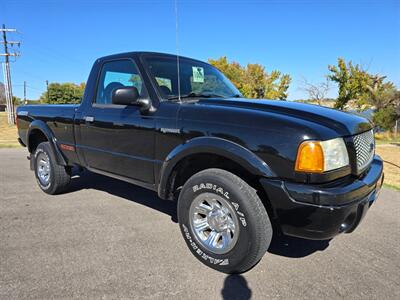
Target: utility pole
[(25, 93), (6, 73)]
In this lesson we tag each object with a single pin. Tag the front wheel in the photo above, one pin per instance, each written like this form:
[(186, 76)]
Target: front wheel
[(51, 177), (223, 221)]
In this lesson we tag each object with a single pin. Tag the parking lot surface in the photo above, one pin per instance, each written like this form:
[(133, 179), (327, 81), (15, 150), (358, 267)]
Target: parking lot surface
[(106, 239)]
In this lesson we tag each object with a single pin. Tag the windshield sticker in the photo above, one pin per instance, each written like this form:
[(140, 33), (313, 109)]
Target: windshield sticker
[(198, 74)]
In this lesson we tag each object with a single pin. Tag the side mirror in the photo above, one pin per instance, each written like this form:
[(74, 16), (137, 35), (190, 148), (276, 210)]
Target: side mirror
[(128, 95)]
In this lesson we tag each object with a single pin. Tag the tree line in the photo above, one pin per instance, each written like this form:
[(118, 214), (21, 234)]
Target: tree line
[(57, 93)]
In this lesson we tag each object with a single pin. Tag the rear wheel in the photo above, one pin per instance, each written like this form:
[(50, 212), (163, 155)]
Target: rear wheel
[(51, 177), (223, 221)]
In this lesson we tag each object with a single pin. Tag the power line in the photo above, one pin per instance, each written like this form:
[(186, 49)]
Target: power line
[(47, 52), (7, 73), (34, 88)]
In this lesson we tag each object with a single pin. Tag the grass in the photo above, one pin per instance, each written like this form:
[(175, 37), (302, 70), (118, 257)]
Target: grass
[(387, 137), (393, 187), (391, 156), (8, 133)]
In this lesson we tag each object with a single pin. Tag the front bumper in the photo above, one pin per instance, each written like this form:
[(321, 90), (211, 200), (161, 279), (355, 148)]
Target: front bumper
[(323, 211)]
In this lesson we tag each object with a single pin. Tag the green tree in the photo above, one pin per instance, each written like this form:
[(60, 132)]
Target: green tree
[(380, 94), (17, 101), (389, 110), (233, 70), (253, 81), (62, 93), (385, 99), (366, 90), (283, 87), (352, 82), (385, 117)]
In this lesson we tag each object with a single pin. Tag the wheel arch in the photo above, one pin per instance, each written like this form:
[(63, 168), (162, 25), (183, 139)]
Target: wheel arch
[(39, 132), (224, 152)]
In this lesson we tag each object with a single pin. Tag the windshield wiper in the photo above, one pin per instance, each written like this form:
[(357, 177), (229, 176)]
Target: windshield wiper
[(196, 95)]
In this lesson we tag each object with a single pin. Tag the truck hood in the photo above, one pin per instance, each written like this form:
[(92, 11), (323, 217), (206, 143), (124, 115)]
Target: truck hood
[(342, 122)]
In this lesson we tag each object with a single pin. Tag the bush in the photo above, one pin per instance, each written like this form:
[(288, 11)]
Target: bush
[(385, 117), (60, 93)]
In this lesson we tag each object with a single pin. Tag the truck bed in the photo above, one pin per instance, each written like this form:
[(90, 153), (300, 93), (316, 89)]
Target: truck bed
[(59, 118)]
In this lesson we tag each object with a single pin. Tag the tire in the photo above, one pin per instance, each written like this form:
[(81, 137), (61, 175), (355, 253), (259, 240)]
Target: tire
[(57, 179), (209, 203)]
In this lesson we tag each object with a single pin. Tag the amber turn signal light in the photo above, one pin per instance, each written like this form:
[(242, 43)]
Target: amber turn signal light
[(310, 157)]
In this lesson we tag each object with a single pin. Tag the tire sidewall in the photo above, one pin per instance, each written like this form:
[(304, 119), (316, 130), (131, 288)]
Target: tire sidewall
[(237, 199), (45, 149)]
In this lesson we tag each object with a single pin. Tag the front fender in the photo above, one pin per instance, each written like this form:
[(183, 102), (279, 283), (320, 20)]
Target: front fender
[(42, 127), (212, 145)]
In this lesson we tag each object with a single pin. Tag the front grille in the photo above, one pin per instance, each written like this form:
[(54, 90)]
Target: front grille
[(364, 145)]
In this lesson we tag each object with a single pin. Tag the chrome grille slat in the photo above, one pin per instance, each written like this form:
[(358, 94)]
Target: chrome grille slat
[(364, 145)]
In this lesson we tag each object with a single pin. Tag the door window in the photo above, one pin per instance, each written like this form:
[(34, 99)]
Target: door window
[(117, 74)]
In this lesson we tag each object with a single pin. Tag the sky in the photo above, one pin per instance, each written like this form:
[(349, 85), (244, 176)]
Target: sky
[(61, 39)]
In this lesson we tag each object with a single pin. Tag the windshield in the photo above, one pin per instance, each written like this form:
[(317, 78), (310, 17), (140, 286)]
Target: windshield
[(197, 79)]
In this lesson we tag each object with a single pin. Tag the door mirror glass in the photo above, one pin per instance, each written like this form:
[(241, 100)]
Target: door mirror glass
[(128, 95)]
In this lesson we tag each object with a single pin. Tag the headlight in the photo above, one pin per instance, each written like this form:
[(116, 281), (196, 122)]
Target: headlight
[(318, 157)]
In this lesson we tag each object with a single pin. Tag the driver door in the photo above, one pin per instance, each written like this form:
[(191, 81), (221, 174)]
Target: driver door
[(118, 139)]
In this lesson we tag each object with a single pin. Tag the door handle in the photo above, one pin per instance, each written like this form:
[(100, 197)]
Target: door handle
[(89, 119)]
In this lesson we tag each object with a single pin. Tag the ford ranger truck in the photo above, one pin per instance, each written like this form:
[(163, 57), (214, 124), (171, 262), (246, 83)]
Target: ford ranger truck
[(240, 170)]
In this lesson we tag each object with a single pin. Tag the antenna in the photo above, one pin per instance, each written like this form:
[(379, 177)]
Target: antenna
[(177, 49)]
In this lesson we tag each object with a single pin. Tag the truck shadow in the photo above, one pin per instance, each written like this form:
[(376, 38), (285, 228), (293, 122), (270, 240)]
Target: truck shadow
[(295, 247), (127, 191), (280, 245)]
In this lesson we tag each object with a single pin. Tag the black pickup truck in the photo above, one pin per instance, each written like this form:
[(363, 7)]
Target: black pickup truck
[(240, 170)]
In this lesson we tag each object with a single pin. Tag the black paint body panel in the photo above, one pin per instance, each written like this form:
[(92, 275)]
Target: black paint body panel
[(321, 212)]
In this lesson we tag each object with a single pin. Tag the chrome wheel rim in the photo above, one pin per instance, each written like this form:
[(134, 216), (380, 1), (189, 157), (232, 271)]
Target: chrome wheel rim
[(214, 223), (43, 168)]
